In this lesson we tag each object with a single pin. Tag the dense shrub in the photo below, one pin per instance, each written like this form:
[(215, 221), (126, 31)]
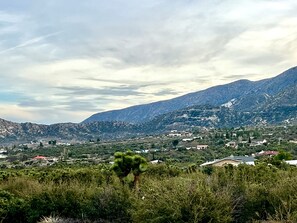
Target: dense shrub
[(12, 208), (94, 194), (163, 170), (181, 200), (109, 203)]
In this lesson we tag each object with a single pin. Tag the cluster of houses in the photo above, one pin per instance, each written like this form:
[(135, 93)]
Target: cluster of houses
[(249, 160), (175, 133), (234, 144)]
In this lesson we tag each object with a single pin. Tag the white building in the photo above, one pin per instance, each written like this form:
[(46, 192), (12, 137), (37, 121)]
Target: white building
[(200, 147)]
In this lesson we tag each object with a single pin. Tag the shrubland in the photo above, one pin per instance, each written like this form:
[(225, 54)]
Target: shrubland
[(167, 193)]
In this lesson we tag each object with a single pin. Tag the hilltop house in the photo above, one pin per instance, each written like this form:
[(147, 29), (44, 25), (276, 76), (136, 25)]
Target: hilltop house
[(291, 162), (267, 153), (259, 143), (232, 144), (3, 154), (232, 160), (199, 147)]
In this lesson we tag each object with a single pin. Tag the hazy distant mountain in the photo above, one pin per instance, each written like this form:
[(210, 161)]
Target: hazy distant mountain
[(242, 95), (26, 132)]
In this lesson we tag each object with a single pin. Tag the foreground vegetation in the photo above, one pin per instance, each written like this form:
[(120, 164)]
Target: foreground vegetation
[(166, 194), (99, 181)]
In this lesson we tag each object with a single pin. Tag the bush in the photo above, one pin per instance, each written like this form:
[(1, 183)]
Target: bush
[(12, 208), (181, 200), (110, 204), (163, 170)]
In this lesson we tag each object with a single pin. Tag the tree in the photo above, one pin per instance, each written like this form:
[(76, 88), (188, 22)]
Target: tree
[(125, 163), (250, 140), (283, 155), (139, 165), (175, 143), (227, 135)]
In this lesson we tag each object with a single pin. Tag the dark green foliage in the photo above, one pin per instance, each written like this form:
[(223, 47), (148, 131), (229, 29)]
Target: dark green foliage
[(175, 143), (163, 171), (12, 208), (111, 204), (207, 170), (283, 155), (167, 194), (127, 162), (182, 200)]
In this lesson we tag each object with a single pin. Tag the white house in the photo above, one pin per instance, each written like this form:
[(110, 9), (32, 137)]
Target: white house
[(175, 134), (231, 144), (156, 161), (291, 162), (200, 147), (231, 160)]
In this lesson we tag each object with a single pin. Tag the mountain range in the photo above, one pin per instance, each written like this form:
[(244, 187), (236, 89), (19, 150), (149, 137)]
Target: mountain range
[(244, 95), (240, 103)]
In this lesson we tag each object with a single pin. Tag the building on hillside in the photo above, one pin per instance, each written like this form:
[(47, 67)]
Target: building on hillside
[(231, 160), (187, 139), (259, 143), (186, 134), (267, 153), (156, 161), (39, 158), (200, 147), (3, 154), (291, 162), (232, 144), (3, 151), (174, 134)]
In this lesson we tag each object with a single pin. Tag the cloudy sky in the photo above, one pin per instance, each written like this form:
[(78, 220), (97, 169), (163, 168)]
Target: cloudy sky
[(63, 60)]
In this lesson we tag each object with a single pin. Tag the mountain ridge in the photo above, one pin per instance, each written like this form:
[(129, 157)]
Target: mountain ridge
[(242, 90)]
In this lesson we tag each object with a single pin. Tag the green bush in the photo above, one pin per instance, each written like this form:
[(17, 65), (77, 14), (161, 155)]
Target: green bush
[(181, 200), (12, 208), (110, 204), (166, 194)]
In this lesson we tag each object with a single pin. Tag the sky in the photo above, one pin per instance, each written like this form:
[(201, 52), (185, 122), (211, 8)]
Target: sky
[(64, 60)]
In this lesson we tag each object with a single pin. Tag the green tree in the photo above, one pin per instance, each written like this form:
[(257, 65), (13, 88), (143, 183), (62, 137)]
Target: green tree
[(175, 143), (283, 155), (125, 163)]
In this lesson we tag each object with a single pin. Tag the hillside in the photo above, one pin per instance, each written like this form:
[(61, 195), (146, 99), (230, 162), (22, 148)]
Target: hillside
[(245, 95), (24, 132), (219, 117)]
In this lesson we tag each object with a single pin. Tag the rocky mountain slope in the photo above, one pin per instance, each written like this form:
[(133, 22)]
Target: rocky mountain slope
[(219, 117), (26, 132), (245, 95)]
